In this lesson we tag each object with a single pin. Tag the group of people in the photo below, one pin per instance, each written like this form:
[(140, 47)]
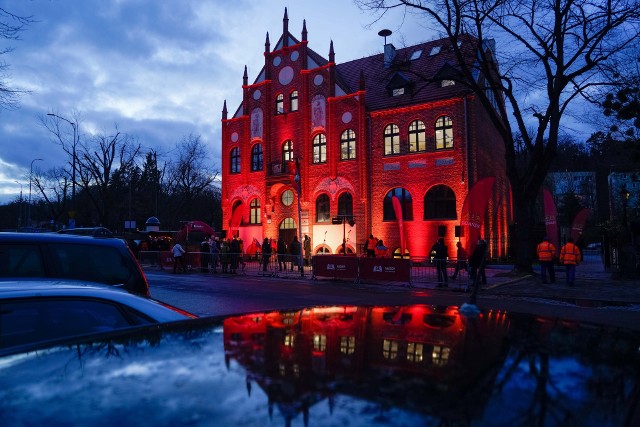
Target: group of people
[(375, 248), (475, 264), (286, 254), (570, 257), (214, 252)]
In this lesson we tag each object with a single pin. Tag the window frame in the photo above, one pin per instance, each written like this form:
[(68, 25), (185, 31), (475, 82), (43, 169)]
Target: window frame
[(406, 202), (345, 204), (293, 101), (257, 160), (443, 133), (440, 203), (319, 144), (280, 103), (323, 206), (234, 161), (348, 145), (287, 152), (417, 128), (391, 138), (255, 212)]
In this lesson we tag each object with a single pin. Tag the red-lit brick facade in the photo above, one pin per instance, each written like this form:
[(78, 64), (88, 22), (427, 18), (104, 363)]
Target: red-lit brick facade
[(390, 124)]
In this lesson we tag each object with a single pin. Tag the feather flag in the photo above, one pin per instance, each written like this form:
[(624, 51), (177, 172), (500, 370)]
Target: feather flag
[(473, 211), (397, 208), (236, 218), (578, 223), (550, 218)]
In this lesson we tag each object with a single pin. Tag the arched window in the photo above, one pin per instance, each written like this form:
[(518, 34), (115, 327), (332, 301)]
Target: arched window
[(287, 152), (235, 160), (256, 157), (293, 100), (279, 103), (440, 203), (391, 140), (417, 137), (406, 203), (348, 145), (444, 133), (323, 208), (319, 148), (345, 204), (254, 212)]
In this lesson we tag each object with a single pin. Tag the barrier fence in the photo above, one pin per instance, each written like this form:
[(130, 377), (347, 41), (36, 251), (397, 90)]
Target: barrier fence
[(338, 267)]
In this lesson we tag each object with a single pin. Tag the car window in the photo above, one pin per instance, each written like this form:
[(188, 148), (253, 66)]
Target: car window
[(102, 264), (20, 261), (31, 321)]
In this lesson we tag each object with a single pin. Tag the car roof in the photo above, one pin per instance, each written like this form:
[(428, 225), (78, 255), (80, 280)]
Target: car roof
[(57, 238)]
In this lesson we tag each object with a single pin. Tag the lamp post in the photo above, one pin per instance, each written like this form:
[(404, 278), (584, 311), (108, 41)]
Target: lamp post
[(30, 179), (299, 189), (344, 219), (19, 206), (73, 155)]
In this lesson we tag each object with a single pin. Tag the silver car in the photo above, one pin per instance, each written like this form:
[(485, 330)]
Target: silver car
[(34, 312)]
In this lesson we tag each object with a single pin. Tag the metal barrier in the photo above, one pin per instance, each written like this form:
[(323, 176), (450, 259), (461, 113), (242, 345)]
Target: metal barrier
[(420, 270)]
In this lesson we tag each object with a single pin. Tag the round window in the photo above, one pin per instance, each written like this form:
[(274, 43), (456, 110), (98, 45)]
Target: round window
[(287, 198)]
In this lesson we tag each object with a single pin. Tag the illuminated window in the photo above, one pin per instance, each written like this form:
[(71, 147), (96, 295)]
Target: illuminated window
[(347, 345), (398, 92), (391, 140), (287, 197), (293, 100), (254, 212), (287, 151), (444, 133), (406, 203), (323, 208), (389, 349), (417, 136), (319, 342), (319, 148), (415, 352), (279, 103), (348, 145), (440, 203), (256, 158), (445, 83), (440, 355), (289, 340), (345, 204), (235, 160)]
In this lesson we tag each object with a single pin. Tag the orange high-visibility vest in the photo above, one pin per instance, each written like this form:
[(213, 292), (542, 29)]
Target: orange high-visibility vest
[(546, 251), (570, 254)]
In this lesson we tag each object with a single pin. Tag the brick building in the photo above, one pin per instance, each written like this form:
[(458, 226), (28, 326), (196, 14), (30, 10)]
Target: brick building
[(320, 149)]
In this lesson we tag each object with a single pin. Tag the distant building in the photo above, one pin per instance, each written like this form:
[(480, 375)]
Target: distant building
[(580, 184), (624, 195), (323, 149)]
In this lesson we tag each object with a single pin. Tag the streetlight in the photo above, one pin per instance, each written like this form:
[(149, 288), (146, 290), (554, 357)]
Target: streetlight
[(344, 219), (30, 179), (73, 154), (19, 206)]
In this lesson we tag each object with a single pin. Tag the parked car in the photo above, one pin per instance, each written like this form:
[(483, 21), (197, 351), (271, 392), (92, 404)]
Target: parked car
[(34, 312), (88, 231), (411, 365), (60, 256)]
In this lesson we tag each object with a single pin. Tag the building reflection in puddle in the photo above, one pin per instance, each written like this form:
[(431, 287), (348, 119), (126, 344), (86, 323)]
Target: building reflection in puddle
[(431, 361)]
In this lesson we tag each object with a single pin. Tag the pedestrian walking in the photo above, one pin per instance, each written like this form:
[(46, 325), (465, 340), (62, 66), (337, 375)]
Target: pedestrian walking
[(477, 262), (178, 251), (440, 255), (461, 262), (546, 255), (281, 248), (214, 249), (307, 250), (570, 257), (370, 246), (224, 255), (266, 253), (294, 249)]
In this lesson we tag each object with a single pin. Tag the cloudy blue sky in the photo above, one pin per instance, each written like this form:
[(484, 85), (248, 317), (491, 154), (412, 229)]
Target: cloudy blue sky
[(158, 69)]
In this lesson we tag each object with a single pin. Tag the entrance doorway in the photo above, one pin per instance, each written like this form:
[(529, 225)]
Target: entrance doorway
[(287, 230)]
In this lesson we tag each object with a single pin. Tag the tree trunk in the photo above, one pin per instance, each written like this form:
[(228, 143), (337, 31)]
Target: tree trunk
[(524, 209)]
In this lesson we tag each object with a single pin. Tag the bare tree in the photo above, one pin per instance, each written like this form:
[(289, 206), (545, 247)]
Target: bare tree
[(10, 28), (53, 188), (550, 54)]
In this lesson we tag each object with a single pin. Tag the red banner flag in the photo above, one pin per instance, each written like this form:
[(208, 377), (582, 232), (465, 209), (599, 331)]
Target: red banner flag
[(473, 210), (550, 218), (578, 223), (236, 218), (397, 208)]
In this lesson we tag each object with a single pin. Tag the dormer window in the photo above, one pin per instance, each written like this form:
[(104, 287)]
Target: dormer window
[(435, 50), (415, 55), (398, 92), (445, 83)]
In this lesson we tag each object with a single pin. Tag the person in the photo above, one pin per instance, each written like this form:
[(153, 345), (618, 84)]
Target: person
[(235, 251), (295, 249), (440, 254), (205, 255), (214, 249), (381, 249), (581, 245), (281, 248), (570, 256), (307, 250), (178, 251), (461, 263), (266, 253), (477, 261), (224, 255), (546, 254), (370, 246)]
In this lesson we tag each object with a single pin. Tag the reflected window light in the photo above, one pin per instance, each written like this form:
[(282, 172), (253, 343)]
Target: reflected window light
[(347, 345), (389, 349), (282, 368), (440, 355), (296, 370), (415, 352), (319, 342), (289, 340)]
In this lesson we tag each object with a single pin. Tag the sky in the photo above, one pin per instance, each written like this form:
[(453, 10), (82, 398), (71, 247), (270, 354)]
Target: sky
[(158, 70)]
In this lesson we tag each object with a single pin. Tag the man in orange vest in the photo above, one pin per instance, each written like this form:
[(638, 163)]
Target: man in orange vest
[(570, 256), (546, 253)]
